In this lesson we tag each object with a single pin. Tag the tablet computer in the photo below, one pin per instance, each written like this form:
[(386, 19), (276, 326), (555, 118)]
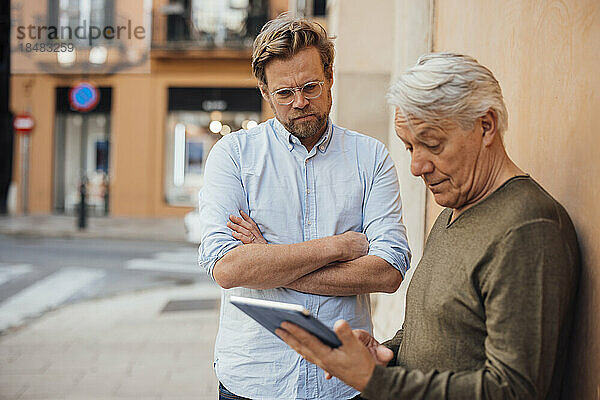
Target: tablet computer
[(271, 314)]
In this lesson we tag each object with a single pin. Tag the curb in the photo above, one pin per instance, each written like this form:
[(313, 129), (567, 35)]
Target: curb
[(91, 235)]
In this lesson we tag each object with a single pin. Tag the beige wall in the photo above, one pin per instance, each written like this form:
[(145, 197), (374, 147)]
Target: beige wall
[(545, 55), (34, 93), (412, 37), (363, 64), (133, 154)]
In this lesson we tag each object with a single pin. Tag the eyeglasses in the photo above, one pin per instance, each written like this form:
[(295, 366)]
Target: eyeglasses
[(310, 90)]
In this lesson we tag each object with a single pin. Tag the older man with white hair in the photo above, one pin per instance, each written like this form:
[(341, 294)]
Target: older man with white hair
[(488, 310)]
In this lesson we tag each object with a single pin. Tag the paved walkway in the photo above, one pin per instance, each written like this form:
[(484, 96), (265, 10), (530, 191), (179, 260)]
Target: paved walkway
[(169, 229), (125, 347)]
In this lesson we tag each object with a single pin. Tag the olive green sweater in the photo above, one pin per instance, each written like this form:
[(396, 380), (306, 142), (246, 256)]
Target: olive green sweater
[(488, 310)]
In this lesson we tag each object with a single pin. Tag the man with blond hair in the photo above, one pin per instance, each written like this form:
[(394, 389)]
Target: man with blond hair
[(296, 210)]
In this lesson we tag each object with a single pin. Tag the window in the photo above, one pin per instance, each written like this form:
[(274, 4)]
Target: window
[(197, 119), (214, 23), (74, 13)]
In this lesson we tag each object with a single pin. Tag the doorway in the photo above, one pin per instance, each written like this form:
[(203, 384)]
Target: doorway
[(82, 154)]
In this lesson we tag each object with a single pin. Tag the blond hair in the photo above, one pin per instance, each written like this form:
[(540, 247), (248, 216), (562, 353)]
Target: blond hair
[(285, 36)]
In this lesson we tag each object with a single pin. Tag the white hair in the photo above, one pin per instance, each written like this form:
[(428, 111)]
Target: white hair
[(445, 87)]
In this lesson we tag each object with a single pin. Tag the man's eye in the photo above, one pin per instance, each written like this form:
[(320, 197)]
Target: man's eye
[(284, 94), (433, 147), (310, 88)]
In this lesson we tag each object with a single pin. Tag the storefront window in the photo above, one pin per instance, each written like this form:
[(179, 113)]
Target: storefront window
[(190, 134)]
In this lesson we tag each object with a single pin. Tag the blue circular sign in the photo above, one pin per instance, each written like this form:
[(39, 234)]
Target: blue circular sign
[(84, 97)]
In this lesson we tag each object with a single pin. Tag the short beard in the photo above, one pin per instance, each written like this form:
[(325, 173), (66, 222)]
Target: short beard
[(304, 130)]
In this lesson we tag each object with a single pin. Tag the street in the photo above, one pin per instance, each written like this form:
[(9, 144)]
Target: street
[(38, 274), (105, 319)]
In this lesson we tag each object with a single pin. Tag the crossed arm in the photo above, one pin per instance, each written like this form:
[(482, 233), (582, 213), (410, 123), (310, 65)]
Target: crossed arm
[(333, 266), (337, 265)]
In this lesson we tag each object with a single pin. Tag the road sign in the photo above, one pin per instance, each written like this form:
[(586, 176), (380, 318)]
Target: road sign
[(23, 123), (84, 97)]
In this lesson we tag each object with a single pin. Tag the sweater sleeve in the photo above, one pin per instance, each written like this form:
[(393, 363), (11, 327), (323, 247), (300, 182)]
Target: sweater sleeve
[(394, 345), (527, 292)]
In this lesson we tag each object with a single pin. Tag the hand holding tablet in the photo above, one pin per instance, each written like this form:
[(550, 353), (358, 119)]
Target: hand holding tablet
[(270, 314)]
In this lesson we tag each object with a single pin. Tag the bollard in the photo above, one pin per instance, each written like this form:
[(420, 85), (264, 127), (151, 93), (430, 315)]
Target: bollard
[(82, 220)]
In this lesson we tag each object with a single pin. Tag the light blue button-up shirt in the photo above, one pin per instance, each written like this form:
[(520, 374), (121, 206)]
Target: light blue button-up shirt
[(347, 182)]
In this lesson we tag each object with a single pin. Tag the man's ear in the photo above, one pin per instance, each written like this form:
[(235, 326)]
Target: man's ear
[(264, 91), (329, 74), (489, 127)]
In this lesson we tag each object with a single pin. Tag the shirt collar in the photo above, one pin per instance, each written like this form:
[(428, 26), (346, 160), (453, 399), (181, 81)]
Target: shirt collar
[(290, 140), (323, 143)]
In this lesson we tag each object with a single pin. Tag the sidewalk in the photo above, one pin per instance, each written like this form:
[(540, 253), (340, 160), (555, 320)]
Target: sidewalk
[(43, 225), (125, 347)]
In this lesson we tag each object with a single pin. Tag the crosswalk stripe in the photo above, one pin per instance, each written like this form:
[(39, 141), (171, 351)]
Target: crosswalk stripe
[(162, 265), (10, 272), (46, 294), (181, 257)]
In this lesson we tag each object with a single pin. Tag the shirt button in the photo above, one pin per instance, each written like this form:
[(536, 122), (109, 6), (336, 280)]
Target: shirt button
[(308, 222), (307, 190), (290, 146), (322, 148)]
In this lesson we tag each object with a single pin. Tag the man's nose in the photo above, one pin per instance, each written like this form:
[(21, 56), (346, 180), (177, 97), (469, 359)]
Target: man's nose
[(420, 164), (299, 100)]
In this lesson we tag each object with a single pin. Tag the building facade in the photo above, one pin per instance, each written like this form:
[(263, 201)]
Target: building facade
[(140, 150)]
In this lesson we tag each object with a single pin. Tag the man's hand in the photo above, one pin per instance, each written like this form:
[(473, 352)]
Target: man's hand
[(245, 229), (352, 245), (353, 362), (380, 353)]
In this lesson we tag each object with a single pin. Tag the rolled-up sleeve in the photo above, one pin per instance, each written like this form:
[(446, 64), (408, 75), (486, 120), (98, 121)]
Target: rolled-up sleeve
[(382, 215), (221, 196)]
